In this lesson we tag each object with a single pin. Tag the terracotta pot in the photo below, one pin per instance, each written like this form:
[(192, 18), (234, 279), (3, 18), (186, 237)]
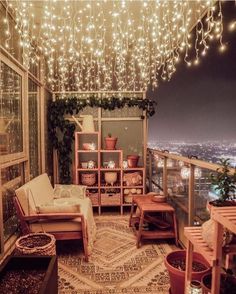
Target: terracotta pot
[(132, 160), (206, 281), (177, 277), (110, 143)]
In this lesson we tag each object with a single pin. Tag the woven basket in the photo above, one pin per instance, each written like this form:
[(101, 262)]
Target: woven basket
[(28, 244), (110, 198)]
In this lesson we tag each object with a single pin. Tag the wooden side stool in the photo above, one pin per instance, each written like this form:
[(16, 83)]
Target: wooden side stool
[(147, 206)]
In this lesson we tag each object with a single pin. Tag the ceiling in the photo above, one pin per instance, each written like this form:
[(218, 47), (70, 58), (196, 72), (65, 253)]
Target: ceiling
[(111, 45)]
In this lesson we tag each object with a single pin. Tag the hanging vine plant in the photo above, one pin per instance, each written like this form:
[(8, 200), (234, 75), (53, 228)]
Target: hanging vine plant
[(61, 131)]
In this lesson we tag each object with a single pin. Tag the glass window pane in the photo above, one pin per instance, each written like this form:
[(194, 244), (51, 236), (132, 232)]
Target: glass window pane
[(33, 129), (11, 132), (12, 178)]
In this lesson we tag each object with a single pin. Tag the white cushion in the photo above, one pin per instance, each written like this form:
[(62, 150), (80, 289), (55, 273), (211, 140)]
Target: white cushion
[(73, 225), (35, 193), (67, 191), (58, 208)]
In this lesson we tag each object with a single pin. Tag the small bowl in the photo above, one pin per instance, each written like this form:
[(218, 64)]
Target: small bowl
[(159, 198), (89, 146)]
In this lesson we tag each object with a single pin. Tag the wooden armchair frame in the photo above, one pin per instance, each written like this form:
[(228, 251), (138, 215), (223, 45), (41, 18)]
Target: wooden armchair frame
[(25, 222)]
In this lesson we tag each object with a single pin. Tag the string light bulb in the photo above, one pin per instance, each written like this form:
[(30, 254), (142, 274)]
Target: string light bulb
[(114, 45)]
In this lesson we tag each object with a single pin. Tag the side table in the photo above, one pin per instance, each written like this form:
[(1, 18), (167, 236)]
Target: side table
[(146, 205)]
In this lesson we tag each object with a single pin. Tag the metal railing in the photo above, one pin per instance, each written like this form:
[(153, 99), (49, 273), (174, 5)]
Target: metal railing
[(186, 181)]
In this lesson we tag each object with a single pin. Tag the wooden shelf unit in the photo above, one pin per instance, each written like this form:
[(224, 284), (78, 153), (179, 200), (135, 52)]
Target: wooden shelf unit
[(223, 217), (100, 155)]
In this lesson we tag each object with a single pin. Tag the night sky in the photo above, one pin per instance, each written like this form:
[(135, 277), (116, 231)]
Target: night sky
[(199, 102)]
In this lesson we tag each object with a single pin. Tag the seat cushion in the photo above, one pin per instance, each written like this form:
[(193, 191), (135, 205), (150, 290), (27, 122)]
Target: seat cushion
[(50, 208), (35, 193), (57, 226)]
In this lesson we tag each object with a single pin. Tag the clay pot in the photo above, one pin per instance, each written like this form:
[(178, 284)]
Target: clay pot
[(110, 143), (206, 282), (132, 160), (177, 277)]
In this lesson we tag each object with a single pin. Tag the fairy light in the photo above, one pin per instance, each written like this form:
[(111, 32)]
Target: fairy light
[(115, 45)]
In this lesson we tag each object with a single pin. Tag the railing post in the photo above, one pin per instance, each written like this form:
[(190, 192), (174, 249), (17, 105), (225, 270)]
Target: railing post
[(165, 176), (191, 196), (150, 170)]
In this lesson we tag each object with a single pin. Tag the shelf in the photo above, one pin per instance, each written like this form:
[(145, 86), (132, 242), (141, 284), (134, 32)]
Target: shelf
[(87, 169), (194, 235), (87, 151), (133, 187), (102, 157), (110, 187), (110, 169), (111, 204), (85, 133), (226, 216), (133, 168), (110, 151)]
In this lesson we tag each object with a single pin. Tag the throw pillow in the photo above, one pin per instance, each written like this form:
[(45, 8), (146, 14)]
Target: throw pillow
[(68, 191), (208, 234)]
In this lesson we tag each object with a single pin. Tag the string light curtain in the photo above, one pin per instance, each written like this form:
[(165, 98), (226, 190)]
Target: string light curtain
[(114, 45)]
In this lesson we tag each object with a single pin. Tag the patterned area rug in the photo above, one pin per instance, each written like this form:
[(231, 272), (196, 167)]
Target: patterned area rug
[(116, 266)]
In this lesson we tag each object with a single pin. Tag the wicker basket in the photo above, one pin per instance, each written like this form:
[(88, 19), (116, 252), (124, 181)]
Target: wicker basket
[(94, 198), (88, 179), (110, 199), (28, 244)]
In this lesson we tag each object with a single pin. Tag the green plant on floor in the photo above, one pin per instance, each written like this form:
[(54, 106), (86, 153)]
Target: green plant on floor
[(61, 131), (229, 281), (224, 181)]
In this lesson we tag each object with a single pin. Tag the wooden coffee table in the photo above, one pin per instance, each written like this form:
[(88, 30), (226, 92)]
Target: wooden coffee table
[(146, 207)]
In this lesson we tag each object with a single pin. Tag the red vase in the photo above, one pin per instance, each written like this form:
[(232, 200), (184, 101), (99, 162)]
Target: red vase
[(132, 160), (177, 277)]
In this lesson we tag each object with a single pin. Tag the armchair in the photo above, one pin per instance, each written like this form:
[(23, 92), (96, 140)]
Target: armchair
[(66, 217)]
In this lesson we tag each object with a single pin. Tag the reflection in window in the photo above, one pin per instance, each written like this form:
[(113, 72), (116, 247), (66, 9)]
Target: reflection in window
[(11, 135), (33, 129), (48, 143), (12, 178)]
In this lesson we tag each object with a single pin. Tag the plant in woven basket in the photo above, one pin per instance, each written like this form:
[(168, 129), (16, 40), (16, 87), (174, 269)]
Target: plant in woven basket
[(225, 183), (36, 244)]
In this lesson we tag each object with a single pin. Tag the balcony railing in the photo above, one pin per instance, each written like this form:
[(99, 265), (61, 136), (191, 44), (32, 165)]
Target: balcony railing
[(186, 181)]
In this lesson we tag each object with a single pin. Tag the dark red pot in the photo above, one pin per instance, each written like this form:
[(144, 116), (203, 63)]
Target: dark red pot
[(177, 277)]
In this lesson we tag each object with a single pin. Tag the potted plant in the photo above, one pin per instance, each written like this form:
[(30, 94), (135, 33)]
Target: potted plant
[(227, 282), (29, 274), (225, 184), (175, 263), (110, 142)]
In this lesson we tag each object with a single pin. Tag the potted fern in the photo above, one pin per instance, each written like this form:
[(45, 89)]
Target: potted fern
[(225, 183), (110, 142)]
